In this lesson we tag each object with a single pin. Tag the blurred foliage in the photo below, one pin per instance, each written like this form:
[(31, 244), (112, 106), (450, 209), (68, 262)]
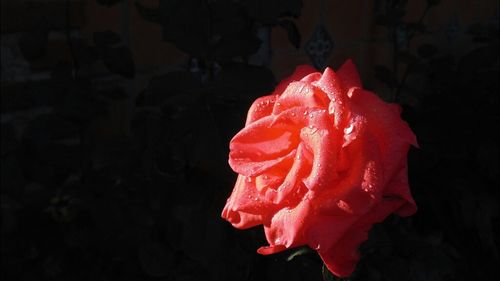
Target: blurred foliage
[(85, 197)]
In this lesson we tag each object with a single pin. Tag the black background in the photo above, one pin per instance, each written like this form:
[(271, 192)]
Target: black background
[(145, 204)]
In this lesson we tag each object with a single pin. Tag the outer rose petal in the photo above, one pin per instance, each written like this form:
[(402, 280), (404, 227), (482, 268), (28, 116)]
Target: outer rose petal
[(243, 208), (393, 134), (299, 73), (349, 75), (260, 108), (341, 259)]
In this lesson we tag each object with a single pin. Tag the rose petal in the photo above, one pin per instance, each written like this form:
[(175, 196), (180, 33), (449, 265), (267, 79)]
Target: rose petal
[(287, 227), (299, 73), (260, 145), (393, 134), (260, 108), (349, 75), (301, 94), (341, 258), (398, 187)]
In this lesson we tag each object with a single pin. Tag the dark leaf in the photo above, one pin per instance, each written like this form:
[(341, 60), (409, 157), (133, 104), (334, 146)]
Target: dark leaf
[(477, 59), (407, 57), (155, 259), (327, 275), (427, 50), (243, 82), (433, 2), (106, 38), (415, 26), (32, 44), (149, 14), (240, 45), (228, 18), (186, 25), (9, 140), (119, 60), (115, 93), (171, 84), (292, 32), (109, 2), (392, 18), (385, 75), (299, 252), (27, 95), (268, 12), (82, 104)]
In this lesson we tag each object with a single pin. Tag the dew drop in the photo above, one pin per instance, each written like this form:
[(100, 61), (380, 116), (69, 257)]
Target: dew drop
[(301, 88), (305, 113), (311, 115), (293, 114), (249, 179), (331, 109), (278, 104), (349, 129)]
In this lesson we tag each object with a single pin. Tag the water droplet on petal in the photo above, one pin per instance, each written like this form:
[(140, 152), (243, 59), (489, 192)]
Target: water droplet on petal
[(249, 179), (311, 115), (331, 108), (305, 113), (349, 129), (344, 206)]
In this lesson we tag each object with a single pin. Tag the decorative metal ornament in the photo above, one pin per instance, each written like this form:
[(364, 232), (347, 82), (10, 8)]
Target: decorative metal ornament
[(319, 47)]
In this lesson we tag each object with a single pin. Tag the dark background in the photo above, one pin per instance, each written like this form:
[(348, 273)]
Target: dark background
[(116, 118)]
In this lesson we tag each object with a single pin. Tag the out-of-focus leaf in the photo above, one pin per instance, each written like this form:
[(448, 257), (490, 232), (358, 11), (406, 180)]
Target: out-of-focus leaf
[(299, 252), (243, 82), (292, 32), (109, 2), (106, 38), (385, 75), (185, 24), (268, 12), (119, 60), (415, 26), (114, 94), (150, 14), (240, 45), (427, 50), (9, 140), (32, 44), (155, 259), (161, 88), (407, 57), (327, 275), (433, 2)]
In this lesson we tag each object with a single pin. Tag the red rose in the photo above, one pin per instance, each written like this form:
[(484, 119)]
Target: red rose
[(319, 162)]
